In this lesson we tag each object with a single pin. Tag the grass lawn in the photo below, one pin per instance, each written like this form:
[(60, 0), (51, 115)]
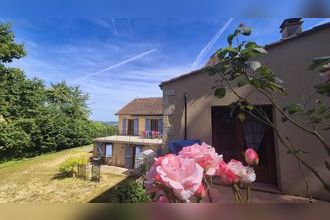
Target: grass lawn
[(31, 180)]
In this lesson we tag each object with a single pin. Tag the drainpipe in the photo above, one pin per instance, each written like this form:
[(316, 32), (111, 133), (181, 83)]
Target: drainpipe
[(185, 116)]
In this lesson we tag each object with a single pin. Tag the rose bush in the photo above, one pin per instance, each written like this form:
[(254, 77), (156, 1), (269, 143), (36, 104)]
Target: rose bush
[(188, 176)]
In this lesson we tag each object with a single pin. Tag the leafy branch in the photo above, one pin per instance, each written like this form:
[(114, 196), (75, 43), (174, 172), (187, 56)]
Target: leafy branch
[(238, 65)]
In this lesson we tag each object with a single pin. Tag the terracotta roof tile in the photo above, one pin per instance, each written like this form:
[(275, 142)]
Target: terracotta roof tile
[(143, 106)]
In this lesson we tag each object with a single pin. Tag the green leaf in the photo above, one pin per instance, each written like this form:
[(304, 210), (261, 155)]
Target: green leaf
[(293, 109), (251, 45), (318, 62), (260, 50), (254, 65), (230, 49), (243, 82), (230, 39), (232, 36), (256, 82), (324, 68), (250, 107), (275, 87), (220, 92), (221, 54), (210, 70), (246, 31), (323, 88), (241, 116)]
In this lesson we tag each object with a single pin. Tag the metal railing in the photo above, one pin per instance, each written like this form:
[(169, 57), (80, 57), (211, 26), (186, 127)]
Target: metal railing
[(145, 134)]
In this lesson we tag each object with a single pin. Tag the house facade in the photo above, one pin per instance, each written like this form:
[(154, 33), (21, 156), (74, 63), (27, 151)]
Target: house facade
[(140, 128), (192, 111)]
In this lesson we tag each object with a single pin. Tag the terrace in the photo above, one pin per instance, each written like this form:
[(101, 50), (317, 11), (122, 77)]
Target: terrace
[(144, 137)]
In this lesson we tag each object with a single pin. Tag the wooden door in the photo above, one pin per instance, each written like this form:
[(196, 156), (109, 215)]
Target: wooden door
[(128, 157), (130, 127), (231, 137)]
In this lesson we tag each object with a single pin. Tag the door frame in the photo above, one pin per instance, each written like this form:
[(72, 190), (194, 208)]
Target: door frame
[(132, 150), (270, 142)]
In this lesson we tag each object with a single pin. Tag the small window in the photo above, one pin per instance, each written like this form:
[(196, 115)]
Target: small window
[(108, 150)]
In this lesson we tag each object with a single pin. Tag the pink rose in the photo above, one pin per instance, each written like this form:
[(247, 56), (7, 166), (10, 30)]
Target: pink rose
[(227, 176), (204, 155), (245, 174), (251, 157), (183, 176), (248, 176), (152, 175)]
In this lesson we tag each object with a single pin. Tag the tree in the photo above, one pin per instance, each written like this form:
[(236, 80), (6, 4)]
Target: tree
[(9, 49), (238, 66), (33, 118)]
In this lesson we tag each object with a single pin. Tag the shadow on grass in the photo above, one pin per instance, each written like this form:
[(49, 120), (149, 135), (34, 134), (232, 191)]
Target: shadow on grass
[(60, 176), (109, 195)]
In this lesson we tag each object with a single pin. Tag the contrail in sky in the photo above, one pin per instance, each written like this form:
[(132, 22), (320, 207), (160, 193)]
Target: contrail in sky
[(210, 44), (114, 26), (322, 22), (116, 65)]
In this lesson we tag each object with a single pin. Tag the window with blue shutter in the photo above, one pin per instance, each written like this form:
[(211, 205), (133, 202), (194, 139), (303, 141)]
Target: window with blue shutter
[(147, 125), (136, 126), (124, 130), (160, 124)]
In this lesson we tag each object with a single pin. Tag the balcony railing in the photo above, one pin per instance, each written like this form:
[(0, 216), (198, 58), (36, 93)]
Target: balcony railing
[(143, 134), (143, 138)]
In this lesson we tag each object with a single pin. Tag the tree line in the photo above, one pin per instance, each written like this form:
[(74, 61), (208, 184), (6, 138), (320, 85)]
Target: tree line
[(35, 118)]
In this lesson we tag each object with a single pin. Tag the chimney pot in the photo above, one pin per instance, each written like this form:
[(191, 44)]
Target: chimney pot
[(291, 27)]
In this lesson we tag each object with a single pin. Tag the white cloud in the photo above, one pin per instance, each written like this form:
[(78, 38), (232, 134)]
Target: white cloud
[(121, 63), (109, 88), (210, 45), (113, 90)]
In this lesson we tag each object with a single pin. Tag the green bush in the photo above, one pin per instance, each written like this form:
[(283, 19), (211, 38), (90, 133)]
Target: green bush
[(36, 118), (132, 192), (69, 166)]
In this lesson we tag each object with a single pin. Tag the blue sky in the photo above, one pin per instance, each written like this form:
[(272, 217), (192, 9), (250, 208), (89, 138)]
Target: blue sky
[(116, 60)]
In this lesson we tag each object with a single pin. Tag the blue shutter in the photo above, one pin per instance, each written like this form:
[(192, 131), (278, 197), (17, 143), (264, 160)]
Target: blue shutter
[(124, 127), (136, 126), (160, 125), (147, 125)]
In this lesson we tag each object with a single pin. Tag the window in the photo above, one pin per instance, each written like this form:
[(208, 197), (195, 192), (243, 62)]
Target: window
[(108, 150), (154, 124)]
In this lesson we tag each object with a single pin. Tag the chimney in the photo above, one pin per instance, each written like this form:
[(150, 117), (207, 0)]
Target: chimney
[(291, 27)]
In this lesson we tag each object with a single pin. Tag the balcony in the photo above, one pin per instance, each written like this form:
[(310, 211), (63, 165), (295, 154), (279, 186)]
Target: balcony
[(142, 134), (138, 137)]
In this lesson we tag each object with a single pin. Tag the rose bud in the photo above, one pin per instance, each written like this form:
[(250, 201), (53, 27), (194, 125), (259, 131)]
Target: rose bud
[(251, 157)]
